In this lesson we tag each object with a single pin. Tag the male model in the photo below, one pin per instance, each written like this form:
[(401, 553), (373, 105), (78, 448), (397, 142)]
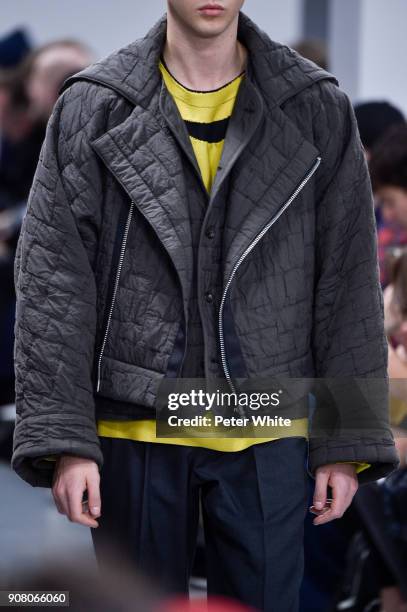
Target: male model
[(201, 209)]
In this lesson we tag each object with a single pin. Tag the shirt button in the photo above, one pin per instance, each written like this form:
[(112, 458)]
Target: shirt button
[(209, 297), (210, 233)]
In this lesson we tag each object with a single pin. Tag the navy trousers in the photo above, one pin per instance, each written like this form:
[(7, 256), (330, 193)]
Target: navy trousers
[(253, 508)]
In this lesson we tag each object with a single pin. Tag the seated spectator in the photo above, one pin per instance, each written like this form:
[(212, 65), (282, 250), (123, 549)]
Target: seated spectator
[(374, 119), (388, 170), (395, 315)]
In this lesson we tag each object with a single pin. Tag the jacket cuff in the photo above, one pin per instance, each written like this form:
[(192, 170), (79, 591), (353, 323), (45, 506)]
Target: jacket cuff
[(381, 454), (29, 458)]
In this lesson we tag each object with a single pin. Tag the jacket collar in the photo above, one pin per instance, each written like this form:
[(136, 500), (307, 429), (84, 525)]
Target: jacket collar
[(274, 74)]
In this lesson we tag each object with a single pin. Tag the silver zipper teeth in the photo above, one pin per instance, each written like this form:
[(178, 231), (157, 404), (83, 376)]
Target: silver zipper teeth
[(244, 255), (116, 285)]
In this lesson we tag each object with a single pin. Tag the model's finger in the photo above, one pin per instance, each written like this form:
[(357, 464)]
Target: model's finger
[(75, 493), (321, 489), (94, 501), (76, 511), (87, 519), (337, 507)]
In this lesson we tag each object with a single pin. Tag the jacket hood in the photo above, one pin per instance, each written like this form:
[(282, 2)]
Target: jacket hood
[(132, 71)]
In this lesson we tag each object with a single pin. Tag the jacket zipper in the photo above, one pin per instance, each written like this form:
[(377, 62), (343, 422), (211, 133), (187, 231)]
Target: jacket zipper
[(243, 256), (116, 285)]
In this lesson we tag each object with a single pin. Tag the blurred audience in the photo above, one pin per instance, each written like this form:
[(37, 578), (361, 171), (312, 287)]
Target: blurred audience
[(14, 46), (314, 50), (388, 170), (15, 127), (374, 119), (395, 313), (28, 91), (45, 70)]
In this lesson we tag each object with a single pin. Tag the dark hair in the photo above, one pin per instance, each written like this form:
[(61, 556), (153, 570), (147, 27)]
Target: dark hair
[(374, 119), (13, 81), (388, 162)]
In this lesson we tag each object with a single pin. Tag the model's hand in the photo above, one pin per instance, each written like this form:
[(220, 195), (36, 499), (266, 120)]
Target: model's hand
[(72, 477), (342, 479), (392, 599), (401, 445)]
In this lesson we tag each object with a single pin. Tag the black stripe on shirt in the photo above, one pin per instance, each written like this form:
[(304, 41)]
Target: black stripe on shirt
[(208, 132)]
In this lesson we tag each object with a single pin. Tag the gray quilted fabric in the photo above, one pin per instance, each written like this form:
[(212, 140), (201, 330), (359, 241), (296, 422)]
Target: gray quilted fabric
[(306, 301)]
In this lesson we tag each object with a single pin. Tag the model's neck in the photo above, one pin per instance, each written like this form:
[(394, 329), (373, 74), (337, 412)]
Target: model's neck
[(203, 63)]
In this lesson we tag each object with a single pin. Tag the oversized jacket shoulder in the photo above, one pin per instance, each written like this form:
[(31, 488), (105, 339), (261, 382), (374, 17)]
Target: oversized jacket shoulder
[(324, 114)]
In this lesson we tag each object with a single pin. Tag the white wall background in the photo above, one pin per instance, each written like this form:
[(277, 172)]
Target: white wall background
[(383, 51), (369, 48), (109, 24)]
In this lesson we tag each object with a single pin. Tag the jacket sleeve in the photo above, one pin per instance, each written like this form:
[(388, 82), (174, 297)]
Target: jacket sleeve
[(55, 317), (351, 418)]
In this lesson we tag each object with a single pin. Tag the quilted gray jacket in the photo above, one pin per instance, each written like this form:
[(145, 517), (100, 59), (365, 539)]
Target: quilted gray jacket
[(104, 270)]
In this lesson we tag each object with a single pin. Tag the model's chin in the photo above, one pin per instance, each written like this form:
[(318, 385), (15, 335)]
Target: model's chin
[(209, 26)]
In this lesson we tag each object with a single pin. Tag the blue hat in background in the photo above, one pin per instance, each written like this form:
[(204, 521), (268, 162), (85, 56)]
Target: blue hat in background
[(13, 48)]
